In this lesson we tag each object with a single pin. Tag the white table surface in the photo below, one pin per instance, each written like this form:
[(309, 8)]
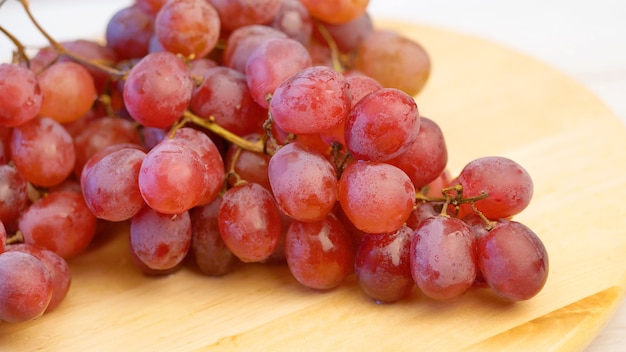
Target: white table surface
[(586, 40)]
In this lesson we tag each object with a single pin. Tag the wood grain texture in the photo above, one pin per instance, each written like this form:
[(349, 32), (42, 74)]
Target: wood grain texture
[(488, 100)]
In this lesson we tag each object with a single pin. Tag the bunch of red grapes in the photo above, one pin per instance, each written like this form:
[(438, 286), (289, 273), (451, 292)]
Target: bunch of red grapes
[(230, 132)]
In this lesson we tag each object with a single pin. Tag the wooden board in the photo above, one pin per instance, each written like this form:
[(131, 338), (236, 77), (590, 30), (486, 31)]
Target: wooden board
[(489, 100)]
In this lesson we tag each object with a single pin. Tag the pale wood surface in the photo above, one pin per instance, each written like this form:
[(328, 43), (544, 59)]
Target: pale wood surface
[(489, 101)]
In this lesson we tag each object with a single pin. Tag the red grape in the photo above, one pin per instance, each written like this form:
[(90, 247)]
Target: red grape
[(25, 287), (382, 125), (513, 260), (13, 196), (20, 95), (294, 20), (376, 197), (304, 182), (158, 90), (238, 13), (129, 32), (60, 222), (249, 222), (319, 254), (57, 267), (382, 265), (443, 257), (160, 241), (336, 11)]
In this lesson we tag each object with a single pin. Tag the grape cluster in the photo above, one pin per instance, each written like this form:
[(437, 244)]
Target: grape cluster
[(231, 132)]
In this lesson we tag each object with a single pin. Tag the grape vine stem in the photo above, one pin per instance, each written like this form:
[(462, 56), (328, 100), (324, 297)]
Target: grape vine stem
[(61, 50)]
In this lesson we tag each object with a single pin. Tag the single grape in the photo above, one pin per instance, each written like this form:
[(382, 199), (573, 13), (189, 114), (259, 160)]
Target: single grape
[(294, 20), (249, 222), (60, 222), (443, 257), (513, 260), (427, 157), (187, 27), (238, 13), (336, 11), (376, 197), (57, 267), (319, 254), (304, 182), (394, 60), (110, 187), (270, 63), (224, 96), (210, 253), (160, 241), (20, 95), (13, 196), (158, 90), (95, 52), (382, 125), (43, 151), (422, 211), (128, 32), (25, 287), (382, 265), (508, 185), (311, 101), (173, 178)]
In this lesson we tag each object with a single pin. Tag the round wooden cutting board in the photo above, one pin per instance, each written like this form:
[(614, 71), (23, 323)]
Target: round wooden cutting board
[(488, 100)]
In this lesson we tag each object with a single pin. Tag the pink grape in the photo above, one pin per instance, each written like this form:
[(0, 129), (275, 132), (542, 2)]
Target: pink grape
[(43, 151), (57, 267), (294, 20), (25, 287), (188, 27), (172, 178), (443, 257), (513, 261), (110, 187), (160, 241), (311, 101), (382, 265), (376, 197), (319, 254), (158, 90), (304, 182), (508, 185), (242, 42), (129, 31), (382, 125), (249, 222), (20, 95), (60, 222)]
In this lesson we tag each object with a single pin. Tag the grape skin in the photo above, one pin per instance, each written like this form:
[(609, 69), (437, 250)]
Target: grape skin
[(20, 95), (513, 261), (58, 268), (129, 32), (160, 241), (158, 90), (336, 11), (249, 222), (376, 197), (25, 287), (60, 222), (443, 259), (304, 183), (13, 195), (319, 254)]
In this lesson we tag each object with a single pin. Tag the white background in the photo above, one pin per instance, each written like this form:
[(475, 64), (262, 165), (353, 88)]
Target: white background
[(584, 39)]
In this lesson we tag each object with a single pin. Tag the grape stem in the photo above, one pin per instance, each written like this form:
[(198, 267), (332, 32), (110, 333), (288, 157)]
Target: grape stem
[(455, 199), (210, 124), (61, 50), (332, 45), (20, 54)]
